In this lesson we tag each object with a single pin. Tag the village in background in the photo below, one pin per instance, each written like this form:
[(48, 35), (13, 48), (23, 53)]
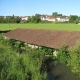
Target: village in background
[(43, 18)]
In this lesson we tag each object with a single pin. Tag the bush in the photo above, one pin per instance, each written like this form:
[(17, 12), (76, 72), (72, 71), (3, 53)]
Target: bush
[(15, 66), (74, 59), (63, 54)]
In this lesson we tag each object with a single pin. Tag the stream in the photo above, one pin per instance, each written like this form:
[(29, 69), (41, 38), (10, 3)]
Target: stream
[(60, 71)]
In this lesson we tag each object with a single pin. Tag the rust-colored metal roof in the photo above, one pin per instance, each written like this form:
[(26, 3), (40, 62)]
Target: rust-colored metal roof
[(43, 37)]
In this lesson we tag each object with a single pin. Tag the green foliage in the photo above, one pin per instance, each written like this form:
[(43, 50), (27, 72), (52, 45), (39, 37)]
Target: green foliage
[(2, 41), (15, 66), (55, 14), (10, 19), (74, 19), (29, 19), (18, 20), (1, 19), (63, 54), (45, 21), (74, 59), (46, 50), (34, 19)]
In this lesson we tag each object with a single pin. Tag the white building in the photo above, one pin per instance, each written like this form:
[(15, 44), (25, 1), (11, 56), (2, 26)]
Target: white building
[(24, 18), (48, 18), (58, 18), (62, 19)]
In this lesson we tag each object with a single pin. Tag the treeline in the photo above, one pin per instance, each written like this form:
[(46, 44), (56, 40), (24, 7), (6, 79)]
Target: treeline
[(10, 19), (34, 19), (37, 19)]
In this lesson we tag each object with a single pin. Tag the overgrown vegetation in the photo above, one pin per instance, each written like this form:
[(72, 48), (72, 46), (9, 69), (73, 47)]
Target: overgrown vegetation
[(63, 54), (74, 59), (19, 62), (71, 57), (16, 66)]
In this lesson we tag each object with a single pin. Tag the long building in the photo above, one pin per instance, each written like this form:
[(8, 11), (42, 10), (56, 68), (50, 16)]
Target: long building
[(43, 37)]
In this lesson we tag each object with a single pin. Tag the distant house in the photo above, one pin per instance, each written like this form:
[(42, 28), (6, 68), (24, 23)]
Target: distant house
[(48, 18), (24, 17), (51, 19), (60, 19), (43, 18), (64, 19)]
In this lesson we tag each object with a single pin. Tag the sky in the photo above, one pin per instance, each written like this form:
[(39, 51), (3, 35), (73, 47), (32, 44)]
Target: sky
[(32, 7)]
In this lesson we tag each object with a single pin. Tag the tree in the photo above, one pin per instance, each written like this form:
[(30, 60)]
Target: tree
[(13, 16), (60, 15), (15, 66), (74, 59), (63, 54), (10, 19), (73, 18), (18, 20), (33, 19), (46, 50), (55, 14), (79, 18), (29, 19), (38, 19), (1, 19)]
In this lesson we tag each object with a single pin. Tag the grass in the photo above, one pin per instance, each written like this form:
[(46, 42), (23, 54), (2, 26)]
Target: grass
[(74, 27)]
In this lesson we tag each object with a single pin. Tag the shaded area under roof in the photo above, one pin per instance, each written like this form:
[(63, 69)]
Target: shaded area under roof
[(44, 37)]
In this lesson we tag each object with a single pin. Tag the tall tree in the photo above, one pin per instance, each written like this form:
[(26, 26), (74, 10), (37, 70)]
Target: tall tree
[(38, 19), (73, 18), (55, 14)]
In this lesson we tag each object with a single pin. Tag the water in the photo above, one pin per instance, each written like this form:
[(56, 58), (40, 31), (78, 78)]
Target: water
[(61, 72)]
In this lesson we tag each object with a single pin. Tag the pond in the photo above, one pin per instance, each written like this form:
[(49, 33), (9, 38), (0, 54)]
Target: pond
[(60, 71)]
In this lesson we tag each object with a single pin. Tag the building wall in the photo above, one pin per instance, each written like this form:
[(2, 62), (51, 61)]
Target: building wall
[(58, 19), (32, 46), (5, 37), (55, 52), (24, 18)]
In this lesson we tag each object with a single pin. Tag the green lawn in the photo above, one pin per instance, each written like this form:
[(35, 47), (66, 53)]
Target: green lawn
[(74, 27)]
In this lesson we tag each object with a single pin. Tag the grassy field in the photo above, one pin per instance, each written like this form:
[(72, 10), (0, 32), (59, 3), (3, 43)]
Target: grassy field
[(74, 27)]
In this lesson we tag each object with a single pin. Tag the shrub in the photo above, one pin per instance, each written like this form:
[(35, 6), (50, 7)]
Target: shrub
[(63, 54), (74, 59), (15, 66)]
